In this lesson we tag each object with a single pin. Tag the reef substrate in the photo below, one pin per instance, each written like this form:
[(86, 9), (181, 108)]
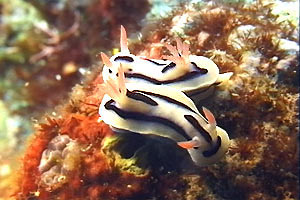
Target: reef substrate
[(258, 107)]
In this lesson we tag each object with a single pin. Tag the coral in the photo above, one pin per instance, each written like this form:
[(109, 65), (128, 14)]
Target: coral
[(58, 161)]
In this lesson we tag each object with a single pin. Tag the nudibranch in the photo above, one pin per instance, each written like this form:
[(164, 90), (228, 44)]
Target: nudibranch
[(163, 111), (188, 73)]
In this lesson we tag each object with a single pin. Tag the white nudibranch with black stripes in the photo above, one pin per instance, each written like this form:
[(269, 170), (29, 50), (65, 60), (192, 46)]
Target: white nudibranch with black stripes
[(164, 111), (194, 75)]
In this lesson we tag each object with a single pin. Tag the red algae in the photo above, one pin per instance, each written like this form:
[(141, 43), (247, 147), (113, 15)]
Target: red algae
[(85, 128), (33, 155), (65, 160)]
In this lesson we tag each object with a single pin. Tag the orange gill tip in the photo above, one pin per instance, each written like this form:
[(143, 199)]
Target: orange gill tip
[(112, 89), (172, 49), (105, 60), (209, 116), (123, 41), (188, 144), (185, 49), (179, 45)]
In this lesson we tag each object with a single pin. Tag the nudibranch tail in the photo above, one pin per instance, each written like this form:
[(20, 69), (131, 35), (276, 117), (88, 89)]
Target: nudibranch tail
[(224, 77), (123, 41)]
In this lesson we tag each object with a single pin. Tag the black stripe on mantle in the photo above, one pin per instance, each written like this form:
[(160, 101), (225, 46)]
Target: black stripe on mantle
[(168, 67), (154, 62), (166, 98), (124, 58), (193, 121), (187, 76), (142, 117), (141, 97)]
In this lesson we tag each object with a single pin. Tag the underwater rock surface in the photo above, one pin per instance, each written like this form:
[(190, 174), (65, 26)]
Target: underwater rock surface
[(71, 155)]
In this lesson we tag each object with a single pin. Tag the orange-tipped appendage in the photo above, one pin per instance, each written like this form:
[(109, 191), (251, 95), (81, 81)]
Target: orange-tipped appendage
[(105, 60), (172, 49), (187, 144), (180, 55), (123, 41), (116, 89), (209, 116), (112, 89), (183, 49)]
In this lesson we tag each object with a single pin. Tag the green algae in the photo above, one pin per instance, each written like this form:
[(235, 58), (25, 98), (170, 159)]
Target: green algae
[(141, 153), (124, 164)]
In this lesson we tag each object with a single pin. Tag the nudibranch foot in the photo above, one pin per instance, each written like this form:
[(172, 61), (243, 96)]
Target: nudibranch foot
[(159, 154)]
